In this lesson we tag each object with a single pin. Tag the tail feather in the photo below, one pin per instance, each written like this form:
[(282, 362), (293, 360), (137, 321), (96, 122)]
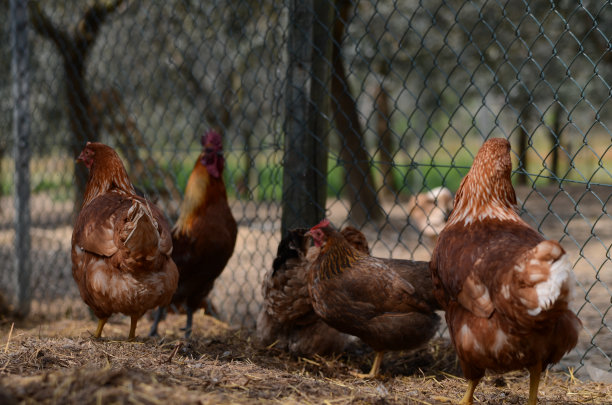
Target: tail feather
[(550, 273)]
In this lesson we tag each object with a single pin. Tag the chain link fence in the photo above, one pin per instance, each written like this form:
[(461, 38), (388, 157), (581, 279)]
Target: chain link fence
[(379, 102)]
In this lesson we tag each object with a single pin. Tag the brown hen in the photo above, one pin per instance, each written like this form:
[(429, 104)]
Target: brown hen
[(286, 318), (505, 289), (204, 235), (121, 244), (388, 303)]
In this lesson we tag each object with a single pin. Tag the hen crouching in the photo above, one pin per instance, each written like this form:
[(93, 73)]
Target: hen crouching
[(205, 233), (388, 303), (121, 244), (287, 319), (505, 289)]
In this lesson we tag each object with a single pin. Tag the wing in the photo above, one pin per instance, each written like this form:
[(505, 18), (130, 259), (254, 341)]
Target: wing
[(286, 292), (371, 287), (163, 228), (95, 229), (112, 221), (419, 275), (375, 303)]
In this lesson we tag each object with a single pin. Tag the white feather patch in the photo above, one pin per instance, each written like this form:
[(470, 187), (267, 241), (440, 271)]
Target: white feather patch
[(505, 291), (549, 291), (501, 339), (467, 338)]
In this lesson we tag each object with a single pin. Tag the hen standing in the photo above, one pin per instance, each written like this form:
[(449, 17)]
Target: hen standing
[(505, 289), (286, 317), (205, 232), (121, 244), (388, 303)]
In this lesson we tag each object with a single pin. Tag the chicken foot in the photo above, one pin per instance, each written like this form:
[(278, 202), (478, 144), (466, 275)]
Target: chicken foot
[(375, 367), (468, 398), (101, 323)]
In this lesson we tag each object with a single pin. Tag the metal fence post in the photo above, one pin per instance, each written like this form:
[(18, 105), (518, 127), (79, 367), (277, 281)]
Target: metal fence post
[(21, 149), (306, 123)]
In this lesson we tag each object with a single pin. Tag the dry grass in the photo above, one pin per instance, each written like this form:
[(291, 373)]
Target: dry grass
[(59, 363)]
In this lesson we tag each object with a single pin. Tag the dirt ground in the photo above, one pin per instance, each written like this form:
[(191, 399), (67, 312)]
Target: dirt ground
[(59, 363)]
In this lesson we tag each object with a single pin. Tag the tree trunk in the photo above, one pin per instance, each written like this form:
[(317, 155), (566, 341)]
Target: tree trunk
[(385, 137), (359, 187), (74, 49)]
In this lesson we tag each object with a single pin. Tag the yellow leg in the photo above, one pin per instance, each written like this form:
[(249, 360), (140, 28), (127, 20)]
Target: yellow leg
[(375, 367), (534, 381), (468, 398), (133, 323), (101, 323)]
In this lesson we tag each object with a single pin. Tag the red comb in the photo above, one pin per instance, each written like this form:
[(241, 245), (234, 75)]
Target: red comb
[(322, 224), (213, 137)]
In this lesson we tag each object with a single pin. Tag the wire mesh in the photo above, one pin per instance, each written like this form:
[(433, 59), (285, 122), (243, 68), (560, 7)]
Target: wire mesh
[(415, 88)]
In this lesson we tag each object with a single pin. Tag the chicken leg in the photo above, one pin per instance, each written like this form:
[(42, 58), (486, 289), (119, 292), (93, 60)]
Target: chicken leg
[(133, 322), (535, 372), (159, 314), (375, 367), (468, 398), (101, 323), (189, 323)]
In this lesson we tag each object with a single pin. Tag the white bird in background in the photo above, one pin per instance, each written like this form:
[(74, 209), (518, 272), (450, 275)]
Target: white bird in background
[(429, 211)]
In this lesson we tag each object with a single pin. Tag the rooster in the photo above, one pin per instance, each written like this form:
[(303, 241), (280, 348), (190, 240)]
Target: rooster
[(286, 318), (121, 244), (205, 232), (388, 303), (505, 289)]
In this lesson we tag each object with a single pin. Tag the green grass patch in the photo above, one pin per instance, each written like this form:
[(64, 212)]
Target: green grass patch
[(59, 188), (420, 167)]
